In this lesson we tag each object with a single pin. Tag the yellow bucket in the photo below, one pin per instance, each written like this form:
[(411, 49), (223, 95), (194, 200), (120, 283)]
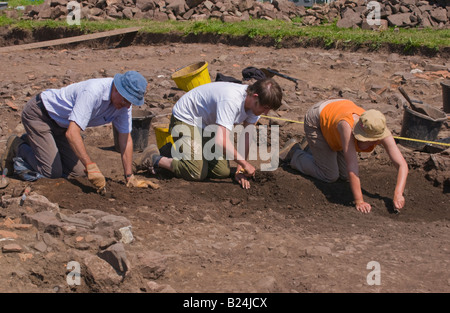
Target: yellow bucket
[(162, 135), (191, 76)]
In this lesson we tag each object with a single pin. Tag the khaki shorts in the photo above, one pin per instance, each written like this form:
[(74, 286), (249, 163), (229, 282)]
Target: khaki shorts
[(320, 161)]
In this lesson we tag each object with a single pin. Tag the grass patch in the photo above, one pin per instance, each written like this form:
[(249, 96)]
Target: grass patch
[(16, 3), (278, 30)]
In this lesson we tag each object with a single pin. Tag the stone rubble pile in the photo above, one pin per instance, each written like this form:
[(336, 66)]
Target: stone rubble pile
[(98, 242), (394, 13), (348, 13)]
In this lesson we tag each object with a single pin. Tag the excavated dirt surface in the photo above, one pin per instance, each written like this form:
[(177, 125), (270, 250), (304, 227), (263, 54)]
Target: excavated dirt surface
[(288, 233)]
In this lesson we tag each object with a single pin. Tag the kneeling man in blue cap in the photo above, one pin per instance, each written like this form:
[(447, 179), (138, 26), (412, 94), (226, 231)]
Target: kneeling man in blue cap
[(54, 119)]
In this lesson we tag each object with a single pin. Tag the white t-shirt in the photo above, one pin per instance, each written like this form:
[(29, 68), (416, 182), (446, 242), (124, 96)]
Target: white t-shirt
[(87, 103), (219, 103)]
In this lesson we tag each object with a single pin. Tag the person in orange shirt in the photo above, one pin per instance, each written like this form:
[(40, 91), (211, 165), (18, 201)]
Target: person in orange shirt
[(335, 131)]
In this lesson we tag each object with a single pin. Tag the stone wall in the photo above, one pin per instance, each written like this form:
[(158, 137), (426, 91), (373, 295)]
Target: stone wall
[(395, 13), (348, 13)]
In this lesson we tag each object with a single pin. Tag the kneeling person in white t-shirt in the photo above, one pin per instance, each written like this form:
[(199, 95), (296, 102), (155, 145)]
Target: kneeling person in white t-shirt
[(201, 124)]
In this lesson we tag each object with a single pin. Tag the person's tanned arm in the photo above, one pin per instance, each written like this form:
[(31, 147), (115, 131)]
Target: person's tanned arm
[(397, 158), (73, 135), (351, 159), (222, 140), (126, 151)]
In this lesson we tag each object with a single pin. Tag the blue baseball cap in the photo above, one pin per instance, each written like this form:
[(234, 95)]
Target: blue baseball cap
[(132, 86)]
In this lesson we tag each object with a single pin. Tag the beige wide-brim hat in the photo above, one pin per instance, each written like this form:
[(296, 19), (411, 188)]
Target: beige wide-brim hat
[(371, 126)]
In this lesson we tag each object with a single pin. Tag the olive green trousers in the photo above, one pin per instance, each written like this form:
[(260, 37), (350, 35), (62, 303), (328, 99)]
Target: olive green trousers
[(189, 160)]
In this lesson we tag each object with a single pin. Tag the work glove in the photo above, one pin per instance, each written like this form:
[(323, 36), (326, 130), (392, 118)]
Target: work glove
[(134, 182), (95, 176)]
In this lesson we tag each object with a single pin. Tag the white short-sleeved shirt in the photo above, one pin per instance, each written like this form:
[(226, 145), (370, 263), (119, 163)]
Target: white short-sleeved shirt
[(87, 103), (219, 103)]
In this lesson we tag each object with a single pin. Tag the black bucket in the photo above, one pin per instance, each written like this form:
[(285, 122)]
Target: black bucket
[(139, 132), (446, 95), (416, 125)]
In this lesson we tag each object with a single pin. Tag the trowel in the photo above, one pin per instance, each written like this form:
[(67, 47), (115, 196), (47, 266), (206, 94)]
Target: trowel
[(102, 191), (419, 106), (4, 180), (25, 194)]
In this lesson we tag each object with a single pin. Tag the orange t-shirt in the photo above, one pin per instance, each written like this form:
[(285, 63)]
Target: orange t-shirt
[(331, 115)]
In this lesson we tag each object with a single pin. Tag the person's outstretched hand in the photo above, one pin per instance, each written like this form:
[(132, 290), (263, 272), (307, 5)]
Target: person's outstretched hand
[(363, 207), (134, 182), (243, 174), (242, 180), (399, 202), (95, 176)]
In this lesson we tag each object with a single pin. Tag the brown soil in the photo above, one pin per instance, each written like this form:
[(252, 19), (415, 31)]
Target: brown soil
[(288, 233)]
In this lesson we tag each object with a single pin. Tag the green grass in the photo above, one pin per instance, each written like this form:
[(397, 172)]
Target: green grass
[(331, 35), (16, 3)]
